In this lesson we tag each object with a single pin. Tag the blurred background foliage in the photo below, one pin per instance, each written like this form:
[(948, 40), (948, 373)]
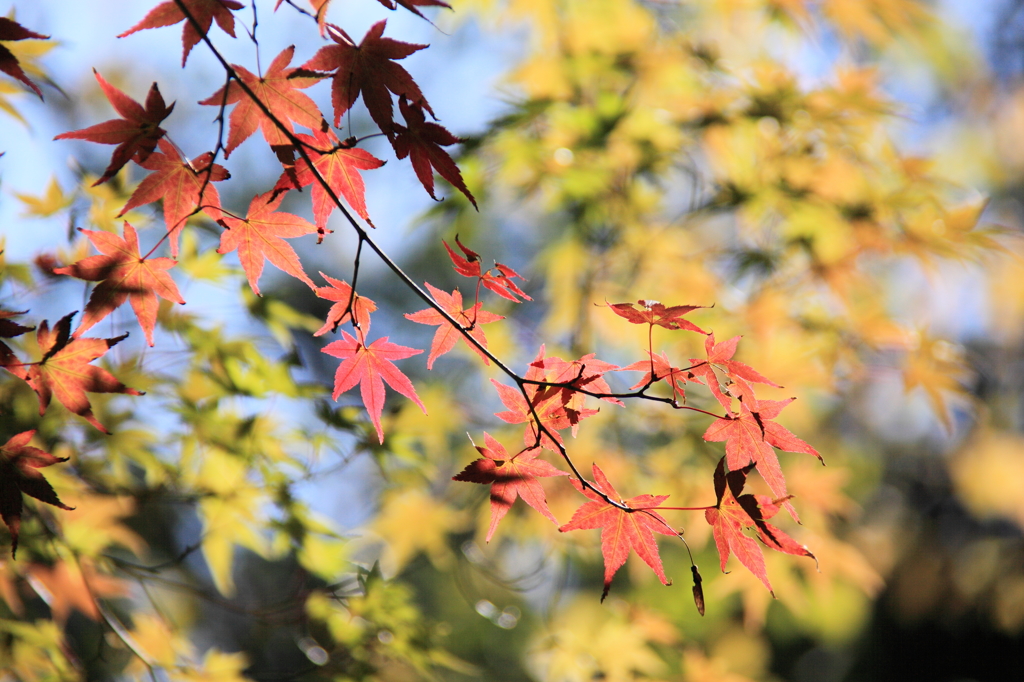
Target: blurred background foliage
[(841, 178)]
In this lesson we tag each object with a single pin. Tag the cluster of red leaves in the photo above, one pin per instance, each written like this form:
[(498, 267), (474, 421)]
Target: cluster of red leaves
[(548, 399)]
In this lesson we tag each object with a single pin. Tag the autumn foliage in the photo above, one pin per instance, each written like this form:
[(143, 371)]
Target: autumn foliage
[(565, 408)]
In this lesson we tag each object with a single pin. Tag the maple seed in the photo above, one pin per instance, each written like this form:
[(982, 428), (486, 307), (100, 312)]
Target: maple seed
[(698, 590), (19, 462)]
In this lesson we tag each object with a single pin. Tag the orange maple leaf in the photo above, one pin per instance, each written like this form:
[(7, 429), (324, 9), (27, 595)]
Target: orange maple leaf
[(749, 439), (370, 367), (340, 312), (734, 511), (738, 373), (278, 90), (64, 587), (510, 477), (123, 274), (19, 463), (655, 313), (261, 236), (185, 187), (136, 134), (621, 529), (447, 335), (64, 371), (203, 11), (339, 166)]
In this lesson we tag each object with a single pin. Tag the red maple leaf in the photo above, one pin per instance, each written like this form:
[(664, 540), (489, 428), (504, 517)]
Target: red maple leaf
[(8, 330), (421, 141), (412, 5), (447, 335), (261, 236), (587, 374), (371, 367), (278, 90), (136, 134), (64, 371), (339, 166), (19, 463), (733, 512), (185, 187), (621, 529), (12, 30), (123, 274), (510, 477), (346, 307), (749, 437), (468, 265), (658, 368), (654, 313), (204, 12), (738, 373), (550, 412), (368, 68)]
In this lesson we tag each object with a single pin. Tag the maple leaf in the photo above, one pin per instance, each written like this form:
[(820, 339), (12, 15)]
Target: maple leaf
[(421, 141), (339, 166), (260, 236), (371, 367), (658, 368), (510, 477), (749, 437), (654, 313), (587, 373), (550, 412), (204, 12), (278, 90), (136, 134), (412, 5), (123, 274), (621, 529), (341, 312), (12, 30), (19, 463), (720, 357), (8, 330), (734, 511), (64, 370), (68, 587), (447, 335), (468, 265), (185, 187), (368, 68)]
